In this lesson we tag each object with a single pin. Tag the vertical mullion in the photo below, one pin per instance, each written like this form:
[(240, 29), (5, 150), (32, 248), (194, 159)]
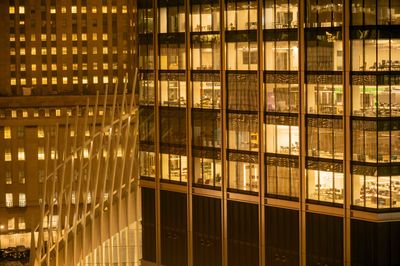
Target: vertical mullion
[(302, 131)]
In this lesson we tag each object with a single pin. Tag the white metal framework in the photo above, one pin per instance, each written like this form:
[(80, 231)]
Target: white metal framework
[(89, 205)]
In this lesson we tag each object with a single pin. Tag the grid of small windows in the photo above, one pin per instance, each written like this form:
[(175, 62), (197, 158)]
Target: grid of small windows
[(47, 32)]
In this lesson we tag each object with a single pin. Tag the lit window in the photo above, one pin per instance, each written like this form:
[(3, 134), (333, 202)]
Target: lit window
[(63, 9), (21, 154), (33, 37), (65, 80), (53, 50), (40, 132), (44, 51), (53, 154), (21, 10), (105, 50), (124, 9), (83, 9), (22, 200), (94, 36), (105, 36), (24, 113), (22, 51), (84, 37), (53, 67), (75, 80), (23, 67), (34, 81), (105, 79), (22, 22), (36, 113), (64, 50), (52, 10), (95, 50), (114, 9), (95, 79), (119, 151), (11, 10), (13, 113), (7, 133), (21, 223), (84, 50), (23, 81), (7, 155), (44, 81), (43, 37), (85, 153), (94, 65), (33, 66), (13, 81), (9, 203), (12, 51), (73, 9), (54, 80), (74, 37), (58, 112), (53, 37), (64, 67), (72, 133), (104, 9), (11, 223), (74, 66), (87, 132), (64, 36), (8, 178), (94, 9), (40, 153), (84, 80), (105, 66), (22, 37), (74, 50)]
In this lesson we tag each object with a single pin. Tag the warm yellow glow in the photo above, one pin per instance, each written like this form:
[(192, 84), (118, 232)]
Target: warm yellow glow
[(95, 50), (21, 154), (105, 66), (40, 132), (33, 67), (124, 9), (54, 80), (34, 81), (53, 67), (44, 81), (74, 50), (44, 51), (11, 10), (74, 80), (84, 37), (12, 51), (114, 9), (63, 9), (7, 133), (53, 37), (75, 66), (7, 155), (64, 37), (104, 9), (58, 112), (22, 37), (73, 9), (105, 37), (65, 80), (21, 10), (13, 114), (33, 37), (23, 67), (52, 10), (105, 79), (74, 37), (64, 50), (105, 50), (53, 50), (23, 81), (44, 67), (24, 113), (40, 153), (33, 50), (95, 79), (94, 9), (43, 37), (13, 82), (94, 36)]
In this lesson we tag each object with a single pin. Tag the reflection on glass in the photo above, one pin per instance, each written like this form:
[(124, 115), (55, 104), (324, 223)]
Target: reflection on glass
[(325, 186), (241, 15), (206, 51), (281, 14), (174, 167), (147, 164), (145, 20), (205, 17), (371, 12), (146, 91), (243, 176), (242, 56), (207, 172), (324, 13), (243, 132), (282, 176)]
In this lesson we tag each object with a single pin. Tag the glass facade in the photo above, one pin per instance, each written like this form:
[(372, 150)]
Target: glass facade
[(226, 109)]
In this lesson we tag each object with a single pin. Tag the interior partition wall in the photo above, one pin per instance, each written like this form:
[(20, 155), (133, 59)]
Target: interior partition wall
[(264, 115)]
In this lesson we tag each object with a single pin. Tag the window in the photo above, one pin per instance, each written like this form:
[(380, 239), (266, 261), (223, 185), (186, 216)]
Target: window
[(21, 154), (22, 200), (9, 200), (205, 17), (21, 10), (7, 155), (241, 15), (147, 164), (40, 153), (243, 174), (205, 52), (206, 91), (8, 177), (21, 176), (172, 19), (174, 167), (11, 224), (7, 133), (283, 176), (21, 223)]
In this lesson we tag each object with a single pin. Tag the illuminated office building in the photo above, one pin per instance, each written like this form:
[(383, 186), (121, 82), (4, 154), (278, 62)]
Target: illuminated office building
[(54, 55), (270, 131)]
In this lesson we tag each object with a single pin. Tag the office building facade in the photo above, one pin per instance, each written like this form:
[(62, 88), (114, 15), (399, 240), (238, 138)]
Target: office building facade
[(269, 131)]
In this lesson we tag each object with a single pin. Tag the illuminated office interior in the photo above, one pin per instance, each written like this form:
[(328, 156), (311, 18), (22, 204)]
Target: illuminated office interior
[(269, 122)]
